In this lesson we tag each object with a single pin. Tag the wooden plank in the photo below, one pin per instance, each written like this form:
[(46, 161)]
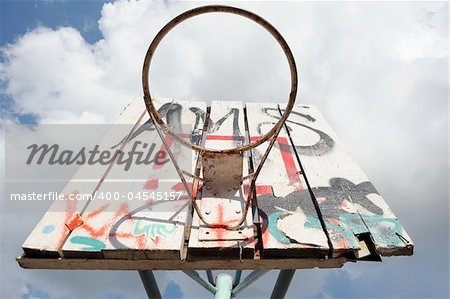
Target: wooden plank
[(162, 224), (148, 225), (205, 264), (285, 206), (226, 129), (349, 203), (51, 232)]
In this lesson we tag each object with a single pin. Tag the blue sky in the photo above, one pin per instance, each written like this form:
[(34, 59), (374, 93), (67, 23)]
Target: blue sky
[(378, 72), (18, 17)]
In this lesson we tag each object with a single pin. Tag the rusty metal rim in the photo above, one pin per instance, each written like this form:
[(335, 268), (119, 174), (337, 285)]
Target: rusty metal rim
[(225, 9)]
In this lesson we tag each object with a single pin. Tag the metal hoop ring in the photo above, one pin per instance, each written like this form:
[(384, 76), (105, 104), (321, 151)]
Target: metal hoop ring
[(225, 9)]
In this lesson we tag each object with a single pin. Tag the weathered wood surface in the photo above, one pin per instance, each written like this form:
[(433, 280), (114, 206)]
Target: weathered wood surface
[(132, 227), (349, 203), (226, 129), (52, 230), (285, 206), (206, 264), (330, 208)]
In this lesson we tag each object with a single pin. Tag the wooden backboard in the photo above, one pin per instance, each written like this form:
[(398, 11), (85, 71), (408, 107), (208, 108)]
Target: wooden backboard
[(314, 206)]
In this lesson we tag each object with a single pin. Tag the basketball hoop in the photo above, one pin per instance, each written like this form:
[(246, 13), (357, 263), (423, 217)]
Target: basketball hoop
[(229, 160)]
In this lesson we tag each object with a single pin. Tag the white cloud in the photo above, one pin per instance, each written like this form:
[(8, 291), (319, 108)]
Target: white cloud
[(53, 71)]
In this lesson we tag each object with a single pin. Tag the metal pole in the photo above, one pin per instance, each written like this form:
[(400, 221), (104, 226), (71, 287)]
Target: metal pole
[(249, 280), (237, 277), (282, 285), (210, 277), (195, 276), (224, 285), (150, 285)]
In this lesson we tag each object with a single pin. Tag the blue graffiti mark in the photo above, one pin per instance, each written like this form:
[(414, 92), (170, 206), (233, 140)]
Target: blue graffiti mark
[(92, 244), (313, 222), (385, 230), (336, 232), (382, 228), (48, 229), (273, 228), (341, 225), (154, 229)]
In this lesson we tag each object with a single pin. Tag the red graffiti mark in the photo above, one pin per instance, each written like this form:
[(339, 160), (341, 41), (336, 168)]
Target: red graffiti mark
[(219, 232), (102, 230), (334, 221), (265, 230), (289, 163), (123, 211), (340, 241), (260, 189), (69, 213), (224, 137), (95, 233), (221, 235), (97, 212), (140, 242), (75, 222), (264, 189), (220, 220), (151, 184), (120, 235)]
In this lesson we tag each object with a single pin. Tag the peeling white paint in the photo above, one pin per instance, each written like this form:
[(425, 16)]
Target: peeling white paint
[(293, 226)]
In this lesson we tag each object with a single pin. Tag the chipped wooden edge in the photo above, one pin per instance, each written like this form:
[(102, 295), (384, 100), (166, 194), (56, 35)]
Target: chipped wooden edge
[(121, 264)]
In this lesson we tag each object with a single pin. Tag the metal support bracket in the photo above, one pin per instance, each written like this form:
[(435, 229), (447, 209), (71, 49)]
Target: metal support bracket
[(225, 286), (150, 284), (222, 172), (282, 285)]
